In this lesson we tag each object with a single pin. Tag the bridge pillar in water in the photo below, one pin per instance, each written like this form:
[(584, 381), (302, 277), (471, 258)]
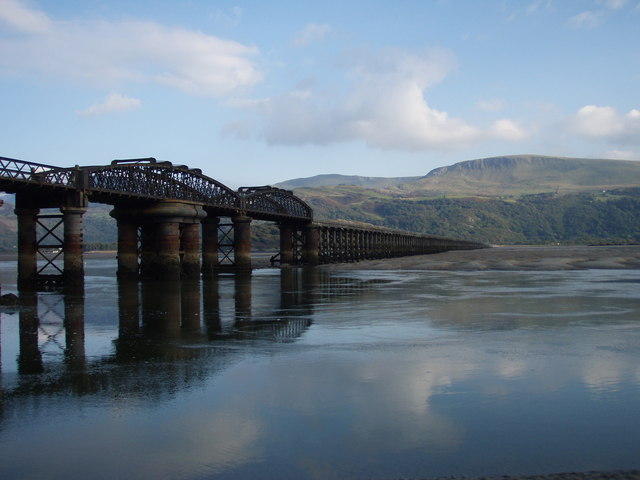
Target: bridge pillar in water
[(190, 247), (209, 244), (128, 267), (242, 242), (27, 244), (73, 250), (160, 255), (286, 244), (311, 245), (72, 206), (170, 239)]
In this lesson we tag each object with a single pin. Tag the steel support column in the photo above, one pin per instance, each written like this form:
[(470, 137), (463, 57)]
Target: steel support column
[(161, 250), (27, 246), (286, 244), (209, 244), (190, 248), (73, 251), (128, 250), (242, 242), (311, 244)]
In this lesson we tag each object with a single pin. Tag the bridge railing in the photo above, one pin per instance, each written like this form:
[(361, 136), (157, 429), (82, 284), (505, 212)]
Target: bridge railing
[(21, 172), (275, 202)]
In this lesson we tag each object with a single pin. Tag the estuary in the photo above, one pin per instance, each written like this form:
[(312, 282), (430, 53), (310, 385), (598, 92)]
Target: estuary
[(322, 373)]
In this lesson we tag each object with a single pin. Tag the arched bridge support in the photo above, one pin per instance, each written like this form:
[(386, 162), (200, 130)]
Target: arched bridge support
[(159, 240)]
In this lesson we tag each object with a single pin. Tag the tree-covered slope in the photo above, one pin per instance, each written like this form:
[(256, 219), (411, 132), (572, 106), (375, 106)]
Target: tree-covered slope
[(575, 218)]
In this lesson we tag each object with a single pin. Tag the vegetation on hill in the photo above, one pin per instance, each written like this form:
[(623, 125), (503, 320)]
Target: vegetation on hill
[(517, 199), (577, 218)]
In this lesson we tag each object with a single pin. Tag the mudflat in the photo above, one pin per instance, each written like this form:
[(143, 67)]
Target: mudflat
[(511, 258), (614, 475)]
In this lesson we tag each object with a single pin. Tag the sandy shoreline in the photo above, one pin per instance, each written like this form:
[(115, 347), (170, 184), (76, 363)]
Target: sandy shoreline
[(511, 258)]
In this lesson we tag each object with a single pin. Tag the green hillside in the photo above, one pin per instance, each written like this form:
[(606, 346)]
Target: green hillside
[(526, 174), (496, 176), (515, 199)]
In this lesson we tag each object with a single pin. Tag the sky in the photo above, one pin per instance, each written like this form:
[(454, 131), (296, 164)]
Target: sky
[(256, 92)]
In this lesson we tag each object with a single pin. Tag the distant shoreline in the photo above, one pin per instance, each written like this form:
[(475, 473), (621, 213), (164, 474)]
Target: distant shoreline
[(503, 257)]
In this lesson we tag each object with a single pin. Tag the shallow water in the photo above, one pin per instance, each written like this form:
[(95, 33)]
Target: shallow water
[(315, 374)]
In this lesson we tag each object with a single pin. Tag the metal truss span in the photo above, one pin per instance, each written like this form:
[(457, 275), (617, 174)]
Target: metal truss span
[(16, 175), (270, 203), (146, 179)]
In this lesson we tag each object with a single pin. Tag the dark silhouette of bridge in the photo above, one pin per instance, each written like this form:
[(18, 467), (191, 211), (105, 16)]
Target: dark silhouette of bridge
[(171, 222)]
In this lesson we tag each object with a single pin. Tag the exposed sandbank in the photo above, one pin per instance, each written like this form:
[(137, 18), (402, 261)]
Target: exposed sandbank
[(614, 475), (511, 258)]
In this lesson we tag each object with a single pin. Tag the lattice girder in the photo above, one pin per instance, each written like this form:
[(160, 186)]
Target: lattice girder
[(270, 202)]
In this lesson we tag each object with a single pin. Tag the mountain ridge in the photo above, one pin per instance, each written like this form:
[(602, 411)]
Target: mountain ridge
[(334, 180), (494, 176)]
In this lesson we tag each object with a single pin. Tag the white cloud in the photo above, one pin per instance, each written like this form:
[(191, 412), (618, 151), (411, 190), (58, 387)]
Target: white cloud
[(384, 107), (312, 33), (594, 121), (17, 16), (586, 19), (109, 52), (615, 4), (506, 129), (115, 102), (231, 16), (622, 155)]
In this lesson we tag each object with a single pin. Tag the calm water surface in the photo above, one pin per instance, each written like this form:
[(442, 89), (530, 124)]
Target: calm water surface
[(313, 374)]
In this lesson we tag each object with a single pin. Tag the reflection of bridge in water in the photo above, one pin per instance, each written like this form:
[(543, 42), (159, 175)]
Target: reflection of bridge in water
[(168, 333), (171, 223)]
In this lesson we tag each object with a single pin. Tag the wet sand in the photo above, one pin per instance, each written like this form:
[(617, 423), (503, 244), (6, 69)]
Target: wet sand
[(614, 475), (511, 258)]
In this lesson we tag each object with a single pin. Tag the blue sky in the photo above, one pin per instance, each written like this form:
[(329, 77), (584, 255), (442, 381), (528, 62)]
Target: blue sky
[(256, 92)]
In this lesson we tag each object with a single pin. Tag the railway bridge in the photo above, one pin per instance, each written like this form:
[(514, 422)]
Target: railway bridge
[(173, 221)]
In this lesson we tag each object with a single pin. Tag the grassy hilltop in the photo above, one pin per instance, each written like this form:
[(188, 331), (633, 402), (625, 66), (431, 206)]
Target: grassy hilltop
[(512, 199)]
